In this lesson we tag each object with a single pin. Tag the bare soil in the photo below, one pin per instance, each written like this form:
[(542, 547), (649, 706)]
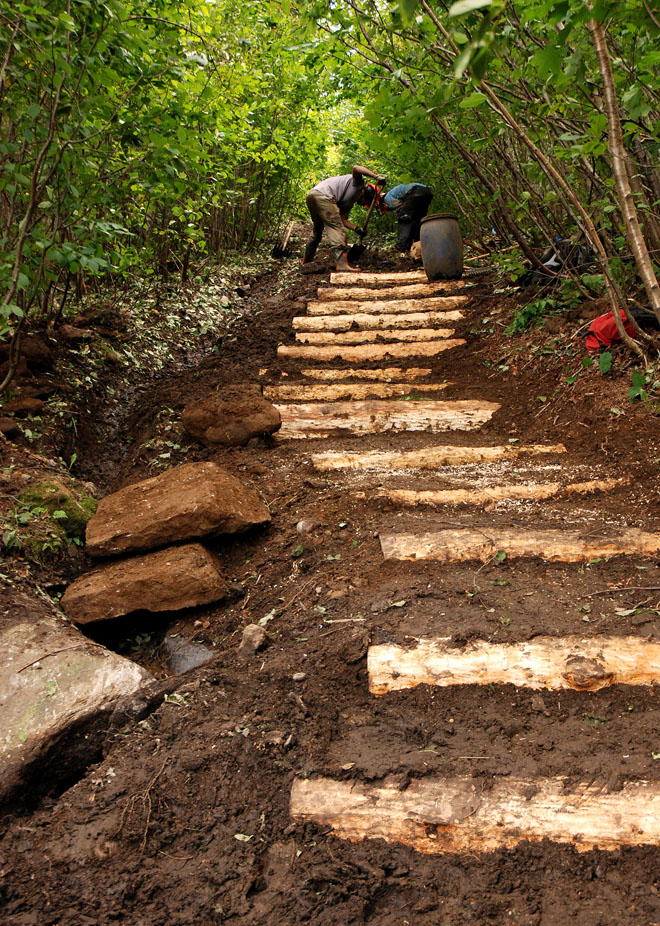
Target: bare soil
[(184, 818)]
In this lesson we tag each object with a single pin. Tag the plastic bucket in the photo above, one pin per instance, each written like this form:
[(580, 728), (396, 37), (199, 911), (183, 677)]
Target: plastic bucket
[(442, 247)]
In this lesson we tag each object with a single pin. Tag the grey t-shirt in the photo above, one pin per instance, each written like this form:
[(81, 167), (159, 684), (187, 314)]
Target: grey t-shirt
[(343, 189)]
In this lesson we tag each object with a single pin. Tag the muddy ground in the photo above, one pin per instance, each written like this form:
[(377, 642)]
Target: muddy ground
[(184, 817)]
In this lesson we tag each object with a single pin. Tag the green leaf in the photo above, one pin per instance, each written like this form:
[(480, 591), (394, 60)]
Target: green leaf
[(605, 362), (466, 6), (59, 515), (473, 100), (500, 556), (297, 550), (407, 8)]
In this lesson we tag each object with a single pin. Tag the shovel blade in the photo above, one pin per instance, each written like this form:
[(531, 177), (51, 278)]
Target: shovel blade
[(356, 251)]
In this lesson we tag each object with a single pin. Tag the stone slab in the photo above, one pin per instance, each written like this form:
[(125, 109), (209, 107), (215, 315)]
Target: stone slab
[(167, 580)]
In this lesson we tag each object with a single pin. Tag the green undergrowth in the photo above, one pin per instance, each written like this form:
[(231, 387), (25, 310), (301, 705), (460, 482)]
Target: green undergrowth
[(46, 517)]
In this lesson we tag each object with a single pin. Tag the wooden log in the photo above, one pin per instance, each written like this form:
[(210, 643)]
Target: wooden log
[(373, 320), (463, 814), (587, 664), (387, 374), (455, 546), (402, 305), (428, 458), (373, 417), (387, 279), (364, 294), (374, 337), (362, 352), (333, 392), (532, 492)]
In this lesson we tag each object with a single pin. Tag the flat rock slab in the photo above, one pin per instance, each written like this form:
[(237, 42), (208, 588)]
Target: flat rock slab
[(192, 500), (362, 352), (386, 375), (427, 458), (168, 580), (411, 291), (373, 417), (53, 680), (455, 815), (583, 664), (387, 279), (333, 392), (455, 546), (492, 494), (369, 320), (360, 336), (376, 306)]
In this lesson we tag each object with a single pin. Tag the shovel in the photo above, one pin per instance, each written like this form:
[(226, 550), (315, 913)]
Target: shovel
[(280, 249), (356, 251)]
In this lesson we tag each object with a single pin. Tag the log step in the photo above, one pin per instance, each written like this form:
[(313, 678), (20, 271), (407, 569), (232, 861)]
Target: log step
[(336, 391), (374, 337), (362, 293), (401, 276), (502, 493), (461, 814), (388, 306), (428, 458), (460, 545), (373, 417), (545, 662), (388, 374), (372, 320), (362, 352)]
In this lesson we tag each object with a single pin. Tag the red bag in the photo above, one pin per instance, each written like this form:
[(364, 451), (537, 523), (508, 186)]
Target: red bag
[(602, 331)]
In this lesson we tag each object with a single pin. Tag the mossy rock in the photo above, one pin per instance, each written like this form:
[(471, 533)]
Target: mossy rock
[(68, 508)]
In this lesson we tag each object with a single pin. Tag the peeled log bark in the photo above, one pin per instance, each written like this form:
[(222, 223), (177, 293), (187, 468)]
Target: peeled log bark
[(499, 493), (457, 815), (455, 546), (387, 306), (546, 662), (373, 417), (363, 352), (337, 391), (373, 337), (380, 279), (428, 458), (330, 293), (385, 375), (373, 320)]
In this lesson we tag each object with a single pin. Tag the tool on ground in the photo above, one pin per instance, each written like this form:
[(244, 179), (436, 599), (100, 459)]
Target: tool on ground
[(357, 250), (281, 249)]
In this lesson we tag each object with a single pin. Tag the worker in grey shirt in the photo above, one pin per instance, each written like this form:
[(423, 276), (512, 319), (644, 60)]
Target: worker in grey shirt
[(329, 204)]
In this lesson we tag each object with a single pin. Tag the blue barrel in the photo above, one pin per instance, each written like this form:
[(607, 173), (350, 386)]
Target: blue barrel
[(442, 247)]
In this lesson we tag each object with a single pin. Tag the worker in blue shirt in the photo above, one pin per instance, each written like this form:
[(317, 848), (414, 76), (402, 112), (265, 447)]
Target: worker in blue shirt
[(411, 203)]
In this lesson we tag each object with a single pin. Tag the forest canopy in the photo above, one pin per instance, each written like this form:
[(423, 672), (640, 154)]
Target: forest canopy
[(144, 137)]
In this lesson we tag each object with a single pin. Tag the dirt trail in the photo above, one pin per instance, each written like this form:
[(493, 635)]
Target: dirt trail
[(244, 797)]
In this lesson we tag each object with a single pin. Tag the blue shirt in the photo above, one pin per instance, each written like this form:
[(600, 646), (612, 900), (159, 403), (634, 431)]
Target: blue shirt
[(394, 196)]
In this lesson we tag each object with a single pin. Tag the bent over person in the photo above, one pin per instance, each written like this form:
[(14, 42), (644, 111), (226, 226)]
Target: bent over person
[(411, 203), (329, 204)]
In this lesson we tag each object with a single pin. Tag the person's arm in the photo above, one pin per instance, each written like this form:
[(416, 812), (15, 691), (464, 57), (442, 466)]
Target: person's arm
[(346, 222), (360, 172)]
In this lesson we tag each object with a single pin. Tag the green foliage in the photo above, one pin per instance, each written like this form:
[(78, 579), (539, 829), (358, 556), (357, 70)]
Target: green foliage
[(605, 362), (532, 312)]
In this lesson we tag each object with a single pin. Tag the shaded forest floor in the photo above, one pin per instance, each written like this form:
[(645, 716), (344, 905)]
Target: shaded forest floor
[(184, 818)]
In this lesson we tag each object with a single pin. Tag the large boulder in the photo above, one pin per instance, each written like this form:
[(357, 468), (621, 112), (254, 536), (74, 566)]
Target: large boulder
[(192, 500), (57, 691), (231, 416), (169, 580)]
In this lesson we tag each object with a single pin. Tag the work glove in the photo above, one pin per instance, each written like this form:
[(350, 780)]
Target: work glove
[(361, 232), (381, 181)]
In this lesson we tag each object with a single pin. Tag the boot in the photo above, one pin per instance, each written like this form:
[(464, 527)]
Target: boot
[(342, 264), (310, 251)]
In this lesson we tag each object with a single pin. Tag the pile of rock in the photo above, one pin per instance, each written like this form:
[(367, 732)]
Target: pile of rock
[(165, 515)]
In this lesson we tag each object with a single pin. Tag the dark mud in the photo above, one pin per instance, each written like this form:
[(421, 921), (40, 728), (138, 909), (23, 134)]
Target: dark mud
[(185, 820)]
